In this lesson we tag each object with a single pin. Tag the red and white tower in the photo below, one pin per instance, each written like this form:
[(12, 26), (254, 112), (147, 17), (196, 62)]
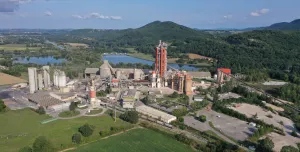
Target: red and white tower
[(161, 59), (93, 99)]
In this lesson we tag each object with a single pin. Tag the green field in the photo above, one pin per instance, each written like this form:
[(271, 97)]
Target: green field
[(139, 55), (16, 123), (18, 47), (138, 140)]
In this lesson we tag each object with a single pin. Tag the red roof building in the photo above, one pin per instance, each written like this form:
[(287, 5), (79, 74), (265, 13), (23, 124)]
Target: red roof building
[(225, 70)]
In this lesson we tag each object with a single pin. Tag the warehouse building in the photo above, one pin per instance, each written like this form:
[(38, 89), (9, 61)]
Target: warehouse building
[(156, 114), (200, 75), (129, 97), (52, 100)]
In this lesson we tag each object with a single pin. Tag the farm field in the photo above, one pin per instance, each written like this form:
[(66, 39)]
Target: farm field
[(75, 45), (136, 140), (17, 47), (23, 126), (6, 79)]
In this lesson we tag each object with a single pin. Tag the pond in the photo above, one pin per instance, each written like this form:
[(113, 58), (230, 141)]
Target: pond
[(128, 59), (39, 60)]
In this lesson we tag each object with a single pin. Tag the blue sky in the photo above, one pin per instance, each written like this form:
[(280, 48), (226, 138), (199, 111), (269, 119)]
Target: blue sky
[(120, 14)]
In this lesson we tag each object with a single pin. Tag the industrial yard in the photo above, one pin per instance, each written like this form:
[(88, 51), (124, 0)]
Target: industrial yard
[(170, 98)]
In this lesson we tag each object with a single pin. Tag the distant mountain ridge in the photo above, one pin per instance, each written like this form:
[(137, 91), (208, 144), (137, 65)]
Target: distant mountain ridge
[(294, 25)]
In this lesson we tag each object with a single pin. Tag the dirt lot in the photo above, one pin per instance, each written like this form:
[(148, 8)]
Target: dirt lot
[(279, 109), (279, 141), (197, 56), (6, 79)]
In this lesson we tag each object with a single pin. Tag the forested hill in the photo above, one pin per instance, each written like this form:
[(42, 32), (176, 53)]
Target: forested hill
[(146, 35), (260, 49), (294, 25)]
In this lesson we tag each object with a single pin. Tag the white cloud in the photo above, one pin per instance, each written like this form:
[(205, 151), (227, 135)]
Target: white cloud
[(97, 16), (48, 13), (260, 12), (264, 11), (228, 16)]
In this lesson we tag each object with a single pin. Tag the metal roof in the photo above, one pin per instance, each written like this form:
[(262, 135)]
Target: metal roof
[(91, 70), (44, 99), (155, 113), (199, 74)]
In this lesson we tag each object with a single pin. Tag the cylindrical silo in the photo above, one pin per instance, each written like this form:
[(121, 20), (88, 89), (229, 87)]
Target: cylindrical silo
[(55, 79), (46, 70), (32, 79), (105, 70), (40, 81), (62, 79), (137, 74), (118, 74)]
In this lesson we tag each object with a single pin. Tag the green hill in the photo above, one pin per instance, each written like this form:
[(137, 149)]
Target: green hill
[(149, 34), (294, 25)]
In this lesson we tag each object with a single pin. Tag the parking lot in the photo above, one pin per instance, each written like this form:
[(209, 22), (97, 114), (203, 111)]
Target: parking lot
[(235, 128), (15, 99)]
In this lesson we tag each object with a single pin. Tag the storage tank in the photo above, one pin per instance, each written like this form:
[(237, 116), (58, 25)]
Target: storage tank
[(137, 74), (55, 80), (118, 74), (105, 70), (62, 80), (40, 81), (32, 80), (46, 70)]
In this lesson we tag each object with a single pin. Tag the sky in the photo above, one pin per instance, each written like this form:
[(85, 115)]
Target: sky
[(121, 14)]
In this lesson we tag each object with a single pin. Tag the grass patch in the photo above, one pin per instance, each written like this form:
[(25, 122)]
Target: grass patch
[(96, 111), (137, 54), (66, 114), (17, 47), (20, 128), (136, 140)]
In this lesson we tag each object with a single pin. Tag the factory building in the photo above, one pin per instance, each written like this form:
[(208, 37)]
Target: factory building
[(156, 114), (181, 82), (200, 75), (128, 98), (222, 74)]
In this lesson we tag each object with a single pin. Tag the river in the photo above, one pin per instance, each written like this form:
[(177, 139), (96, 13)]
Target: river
[(39, 60), (128, 59)]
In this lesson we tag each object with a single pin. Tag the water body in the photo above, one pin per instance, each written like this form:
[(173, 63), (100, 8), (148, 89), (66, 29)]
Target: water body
[(39, 60), (128, 59)]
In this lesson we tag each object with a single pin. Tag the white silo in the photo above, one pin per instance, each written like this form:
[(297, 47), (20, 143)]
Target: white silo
[(118, 74), (32, 80), (46, 71), (105, 70), (137, 74), (55, 78), (62, 80), (40, 81)]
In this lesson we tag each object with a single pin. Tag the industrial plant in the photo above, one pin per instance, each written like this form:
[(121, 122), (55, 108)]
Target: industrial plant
[(118, 88)]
